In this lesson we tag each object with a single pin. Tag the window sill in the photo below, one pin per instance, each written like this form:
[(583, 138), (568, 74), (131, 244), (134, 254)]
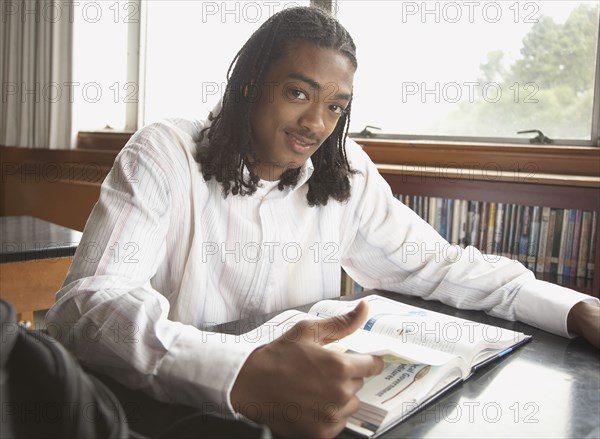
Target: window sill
[(508, 159), (103, 139)]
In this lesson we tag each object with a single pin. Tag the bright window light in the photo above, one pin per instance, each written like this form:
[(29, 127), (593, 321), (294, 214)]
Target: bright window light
[(100, 90), (482, 69), (189, 47)]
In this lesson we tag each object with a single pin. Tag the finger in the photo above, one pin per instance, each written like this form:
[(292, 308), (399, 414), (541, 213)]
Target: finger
[(357, 384), (349, 408), (362, 366), (334, 328), (341, 413)]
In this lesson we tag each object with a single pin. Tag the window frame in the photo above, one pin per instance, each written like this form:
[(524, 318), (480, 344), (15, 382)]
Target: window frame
[(470, 145), (494, 141)]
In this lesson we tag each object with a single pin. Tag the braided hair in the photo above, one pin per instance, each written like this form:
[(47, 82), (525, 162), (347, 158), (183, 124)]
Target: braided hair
[(230, 147)]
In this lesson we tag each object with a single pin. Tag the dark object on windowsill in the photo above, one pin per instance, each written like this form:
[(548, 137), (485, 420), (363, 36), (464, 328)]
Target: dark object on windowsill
[(540, 139), (366, 132)]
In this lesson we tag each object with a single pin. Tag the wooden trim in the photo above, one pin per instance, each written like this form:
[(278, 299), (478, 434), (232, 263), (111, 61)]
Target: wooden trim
[(17, 155), (505, 158), (449, 175), (103, 140), (571, 197)]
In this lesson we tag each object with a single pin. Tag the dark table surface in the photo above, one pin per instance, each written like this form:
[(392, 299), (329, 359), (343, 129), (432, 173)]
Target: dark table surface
[(25, 238), (548, 388)]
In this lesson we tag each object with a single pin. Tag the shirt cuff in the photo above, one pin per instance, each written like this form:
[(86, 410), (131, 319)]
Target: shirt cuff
[(546, 305), (201, 367)]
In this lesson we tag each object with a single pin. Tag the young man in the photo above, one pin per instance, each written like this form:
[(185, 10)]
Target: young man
[(254, 211)]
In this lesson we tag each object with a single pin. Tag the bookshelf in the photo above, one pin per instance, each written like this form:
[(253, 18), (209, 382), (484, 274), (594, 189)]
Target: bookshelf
[(517, 188)]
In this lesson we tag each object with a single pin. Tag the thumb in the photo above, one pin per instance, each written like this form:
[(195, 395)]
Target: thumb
[(334, 328)]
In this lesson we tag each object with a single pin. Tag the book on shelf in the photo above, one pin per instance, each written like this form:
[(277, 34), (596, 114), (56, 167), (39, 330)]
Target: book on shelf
[(483, 226), (558, 246), (488, 246), (425, 354), (543, 241), (499, 229), (455, 231), (524, 238), (557, 242), (444, 217), (464, 223), (567, 242), (592, 251), (439, 215), (511, 232), (582, 257), (474, 212), (534, 235), (550, 243), (514, 251), (431, 212), (575, 245)]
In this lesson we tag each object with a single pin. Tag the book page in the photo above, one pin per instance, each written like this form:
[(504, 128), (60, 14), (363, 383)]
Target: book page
[(425, 328), (361, 341), (399, 390), (391, 350)]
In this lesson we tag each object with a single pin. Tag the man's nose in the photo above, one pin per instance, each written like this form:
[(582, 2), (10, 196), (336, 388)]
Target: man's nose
[(312, 118)]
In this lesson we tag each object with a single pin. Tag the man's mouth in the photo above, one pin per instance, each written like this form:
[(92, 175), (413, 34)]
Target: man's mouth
[(302, 140), (299, 142)]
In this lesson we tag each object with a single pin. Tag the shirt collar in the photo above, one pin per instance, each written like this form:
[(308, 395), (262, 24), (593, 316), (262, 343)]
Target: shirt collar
[(306, 170)]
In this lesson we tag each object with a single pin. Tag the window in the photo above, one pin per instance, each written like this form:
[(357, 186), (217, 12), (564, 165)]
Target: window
[(475, 69), (189, 48), (100, 90), (455, 70)]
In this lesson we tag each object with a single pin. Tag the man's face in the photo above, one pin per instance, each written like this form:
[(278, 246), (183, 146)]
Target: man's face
[(302, 97)]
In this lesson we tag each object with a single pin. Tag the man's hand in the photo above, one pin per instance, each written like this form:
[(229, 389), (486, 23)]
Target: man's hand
[(584, 320), (297, 387)]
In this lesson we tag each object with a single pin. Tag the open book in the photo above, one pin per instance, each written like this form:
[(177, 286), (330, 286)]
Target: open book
[(425, 354)]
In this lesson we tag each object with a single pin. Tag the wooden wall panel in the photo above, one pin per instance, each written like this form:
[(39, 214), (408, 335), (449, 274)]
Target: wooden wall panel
[(30, 293), (59, 186)]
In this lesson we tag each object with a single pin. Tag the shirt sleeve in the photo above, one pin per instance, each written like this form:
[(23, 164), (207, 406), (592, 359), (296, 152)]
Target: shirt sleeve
[(392, 248), (546, 305), (107, 311)]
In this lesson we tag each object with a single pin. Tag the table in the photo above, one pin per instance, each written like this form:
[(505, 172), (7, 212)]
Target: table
[(35, 256), (550, 387)]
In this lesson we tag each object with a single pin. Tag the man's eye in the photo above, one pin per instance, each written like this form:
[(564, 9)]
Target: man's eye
[(337, 109), (297, 94)]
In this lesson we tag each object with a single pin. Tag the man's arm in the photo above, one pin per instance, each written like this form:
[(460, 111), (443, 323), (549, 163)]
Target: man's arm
[(584, 320), (300, 389), (111, 315), (394, 249)]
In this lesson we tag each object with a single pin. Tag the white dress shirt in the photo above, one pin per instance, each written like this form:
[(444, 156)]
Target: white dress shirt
[(164, 253)]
